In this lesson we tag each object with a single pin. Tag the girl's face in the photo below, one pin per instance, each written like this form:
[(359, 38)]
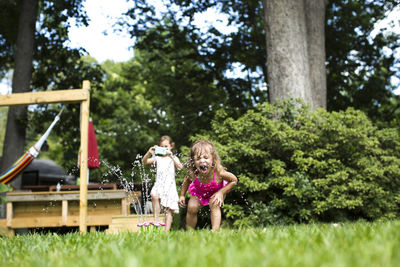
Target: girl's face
[(166, 144), (203, 161)]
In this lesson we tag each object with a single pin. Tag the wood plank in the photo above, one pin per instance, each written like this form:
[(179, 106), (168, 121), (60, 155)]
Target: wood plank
[(128, 223), (103, 207), (45, 97), (73, 221), (64, 212), (59, 196), (124, 207), (112, 207), (48, 222), (134, 218), (98, 220), (37, 209), (72, 187), (9, 210), (54, 209)]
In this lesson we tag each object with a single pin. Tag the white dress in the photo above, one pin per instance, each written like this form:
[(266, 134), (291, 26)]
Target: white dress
[(165, 186)]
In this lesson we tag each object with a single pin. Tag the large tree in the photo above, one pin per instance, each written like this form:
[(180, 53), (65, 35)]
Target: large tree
[(56, 65), (14, 141), (295, 34), (358, 70)]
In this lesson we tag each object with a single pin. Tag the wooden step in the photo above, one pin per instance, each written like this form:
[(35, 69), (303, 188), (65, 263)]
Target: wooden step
[(129, 223)]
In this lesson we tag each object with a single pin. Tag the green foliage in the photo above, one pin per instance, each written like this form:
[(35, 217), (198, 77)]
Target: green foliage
[(360, 66), (4, 188), (122, 117), (157, 93), (65, 138), (177, 81), (358, 244), (210, 49), (299, 166), (9, 10), (52, 57)]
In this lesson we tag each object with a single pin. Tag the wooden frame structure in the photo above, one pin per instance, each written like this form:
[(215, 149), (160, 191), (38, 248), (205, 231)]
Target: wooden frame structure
[(64, 96), (61, 209)]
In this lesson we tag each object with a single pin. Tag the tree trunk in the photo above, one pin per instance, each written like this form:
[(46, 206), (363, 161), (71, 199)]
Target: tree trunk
[(315, 21), (14, 141), (296, 50)]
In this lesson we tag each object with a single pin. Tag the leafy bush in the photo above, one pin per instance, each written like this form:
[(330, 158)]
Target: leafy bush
[(3, 188), (295, 165)]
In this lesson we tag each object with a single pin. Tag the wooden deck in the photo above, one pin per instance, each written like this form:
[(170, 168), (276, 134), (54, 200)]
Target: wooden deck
[(61, 209), (36, 188)]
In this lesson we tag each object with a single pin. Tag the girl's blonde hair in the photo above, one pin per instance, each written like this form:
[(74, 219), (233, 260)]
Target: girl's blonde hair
[(199, 147), (169, 139)]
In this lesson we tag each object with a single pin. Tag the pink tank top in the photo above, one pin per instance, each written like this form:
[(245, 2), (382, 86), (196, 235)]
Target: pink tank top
[(204, 191)]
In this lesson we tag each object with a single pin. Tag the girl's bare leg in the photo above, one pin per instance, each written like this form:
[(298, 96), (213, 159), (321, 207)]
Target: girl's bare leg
[(215, 216), (168, 220), (156, 207), (193, 208)]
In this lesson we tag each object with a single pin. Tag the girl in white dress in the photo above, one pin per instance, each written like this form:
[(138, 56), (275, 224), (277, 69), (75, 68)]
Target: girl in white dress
[(164, 190)]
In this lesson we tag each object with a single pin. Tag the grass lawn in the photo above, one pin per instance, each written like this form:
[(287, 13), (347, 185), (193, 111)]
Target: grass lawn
[(351, 244)]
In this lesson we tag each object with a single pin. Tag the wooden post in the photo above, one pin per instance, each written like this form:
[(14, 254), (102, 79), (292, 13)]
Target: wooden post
[(64, 212), (10, 214), (84, 158), (124, 206)]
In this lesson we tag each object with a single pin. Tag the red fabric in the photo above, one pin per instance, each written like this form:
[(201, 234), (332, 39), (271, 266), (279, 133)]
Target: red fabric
[(93, 153)]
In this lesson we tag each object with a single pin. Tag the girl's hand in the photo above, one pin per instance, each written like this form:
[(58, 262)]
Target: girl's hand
[(151, 149), (182, 202), (169, 154), (217, 199)]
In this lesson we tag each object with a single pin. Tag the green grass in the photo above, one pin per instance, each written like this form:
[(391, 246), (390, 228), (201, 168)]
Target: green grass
[(352, 244)]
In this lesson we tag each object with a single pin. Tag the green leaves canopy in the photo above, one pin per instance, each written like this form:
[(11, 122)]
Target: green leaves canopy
[(360, 66)]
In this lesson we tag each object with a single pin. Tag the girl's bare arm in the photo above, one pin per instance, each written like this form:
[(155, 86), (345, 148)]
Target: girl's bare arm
[(177, 163), (231, 178), (184, 188), (218, 197), (146, 160)]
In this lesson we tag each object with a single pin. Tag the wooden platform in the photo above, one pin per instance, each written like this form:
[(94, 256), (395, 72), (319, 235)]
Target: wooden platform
[(61, 209), (67, 187), (51, 188), (129, 223)]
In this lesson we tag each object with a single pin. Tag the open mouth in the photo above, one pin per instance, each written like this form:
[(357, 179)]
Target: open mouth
[(203, 168)]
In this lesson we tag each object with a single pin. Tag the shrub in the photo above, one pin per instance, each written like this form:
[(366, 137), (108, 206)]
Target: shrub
[(295, 165)]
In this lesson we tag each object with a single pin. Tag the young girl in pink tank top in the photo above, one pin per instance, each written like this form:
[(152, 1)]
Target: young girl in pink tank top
[(208, 183)]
